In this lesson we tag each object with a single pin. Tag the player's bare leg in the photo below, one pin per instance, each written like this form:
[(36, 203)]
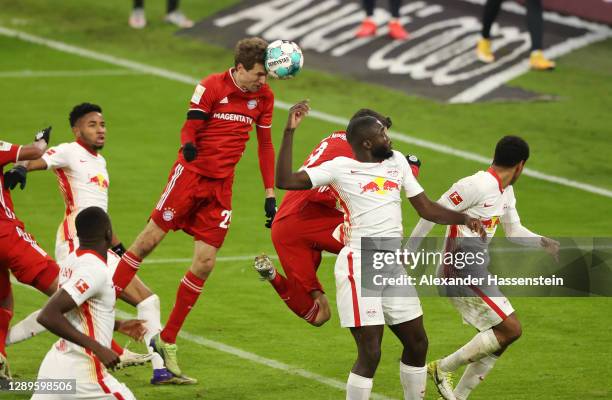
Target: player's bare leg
[(413, 372), (360, 380), (188, 292), (324, 313), (144, 244)]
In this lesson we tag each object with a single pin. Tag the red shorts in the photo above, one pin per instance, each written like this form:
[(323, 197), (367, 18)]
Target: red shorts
[(196, 204), (299, 240), (20, 254)]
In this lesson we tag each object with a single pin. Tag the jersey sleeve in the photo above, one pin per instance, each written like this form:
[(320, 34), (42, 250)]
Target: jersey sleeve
[(510, 215), (265, 118), (204, 95), (411, 186), (8, 152), (461, 196), (85, 282), (323, 174), (57, 157)]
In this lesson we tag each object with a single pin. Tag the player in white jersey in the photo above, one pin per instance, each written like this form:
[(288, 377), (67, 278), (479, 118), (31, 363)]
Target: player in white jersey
[(82, 314), (369, 191), (489, 196), (84, 181)]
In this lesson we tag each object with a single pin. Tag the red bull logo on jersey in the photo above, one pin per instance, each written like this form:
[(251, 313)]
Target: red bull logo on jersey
[(379, 185), (99, 180), (490, 224)]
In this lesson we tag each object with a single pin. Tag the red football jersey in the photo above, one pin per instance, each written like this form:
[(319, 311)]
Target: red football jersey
[(8, 154), (222, 139), (335, 145)]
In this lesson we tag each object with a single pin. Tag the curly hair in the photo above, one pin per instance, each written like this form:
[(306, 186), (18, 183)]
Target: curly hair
[(81, 109), (250, 51)]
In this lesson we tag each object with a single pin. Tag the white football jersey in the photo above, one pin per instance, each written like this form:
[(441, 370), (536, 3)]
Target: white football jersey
[(83, 181), (481, 196), (369, 194), (85, 276)]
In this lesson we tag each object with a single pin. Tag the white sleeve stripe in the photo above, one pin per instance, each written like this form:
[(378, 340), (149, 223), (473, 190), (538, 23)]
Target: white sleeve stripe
[(264, 126), (18, 152), (198, 109)]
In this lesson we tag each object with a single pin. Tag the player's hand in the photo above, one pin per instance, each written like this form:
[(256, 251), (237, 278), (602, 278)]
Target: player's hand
[(133, 328), (476, 226), (551, 246), (270, 209), (415, 164), (44, 134), (189, 152), (14, 176), (297, 114), (108, 357)]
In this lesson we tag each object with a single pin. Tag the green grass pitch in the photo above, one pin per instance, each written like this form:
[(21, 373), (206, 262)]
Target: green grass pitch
[(565, 350)]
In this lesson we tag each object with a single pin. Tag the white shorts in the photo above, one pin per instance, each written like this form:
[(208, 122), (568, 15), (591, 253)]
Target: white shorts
[(91, 383), (481, 311), (355, 310)]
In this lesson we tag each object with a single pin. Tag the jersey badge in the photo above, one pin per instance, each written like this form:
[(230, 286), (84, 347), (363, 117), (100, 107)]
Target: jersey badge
[(455, 198)]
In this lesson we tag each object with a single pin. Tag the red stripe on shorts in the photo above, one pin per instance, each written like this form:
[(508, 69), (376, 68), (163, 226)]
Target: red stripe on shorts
[(490, 302), (353, 290)]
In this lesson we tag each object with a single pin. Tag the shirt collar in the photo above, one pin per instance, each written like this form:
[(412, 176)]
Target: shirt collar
[(497, 178)]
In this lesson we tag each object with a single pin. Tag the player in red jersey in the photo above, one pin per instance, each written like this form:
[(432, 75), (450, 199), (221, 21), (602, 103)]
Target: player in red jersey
[(314, 211), (19, 252), (197, 197)]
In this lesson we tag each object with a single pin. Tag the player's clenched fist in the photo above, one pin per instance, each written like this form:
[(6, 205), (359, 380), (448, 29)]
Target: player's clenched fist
[(189, 152), (297, 114), (475, 226), (106, 356)]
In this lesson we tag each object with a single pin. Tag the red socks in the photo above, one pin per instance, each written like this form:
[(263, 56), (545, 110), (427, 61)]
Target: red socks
[(126, 269), (5, 319), (296, 297), (116, 348), (188, 292)]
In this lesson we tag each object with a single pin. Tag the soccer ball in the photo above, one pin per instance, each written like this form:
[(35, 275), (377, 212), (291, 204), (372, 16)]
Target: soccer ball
[(284, 59)]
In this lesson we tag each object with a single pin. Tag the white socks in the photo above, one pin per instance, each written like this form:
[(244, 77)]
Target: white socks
[(148, 310), (482, 344), (473, 375), (25, 329), (358, 387), (414, 380)]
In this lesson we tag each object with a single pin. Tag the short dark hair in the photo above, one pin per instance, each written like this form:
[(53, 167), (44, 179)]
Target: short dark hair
[(82, 109), (510, 151), (361, 128), (386, 121), (250, 51), (92, 223)]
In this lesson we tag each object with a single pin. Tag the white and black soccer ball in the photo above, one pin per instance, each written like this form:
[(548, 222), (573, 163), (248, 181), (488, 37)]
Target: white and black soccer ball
[(284, 59)]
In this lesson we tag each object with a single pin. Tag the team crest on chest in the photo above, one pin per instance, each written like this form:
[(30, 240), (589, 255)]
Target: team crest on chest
[(251, 104)]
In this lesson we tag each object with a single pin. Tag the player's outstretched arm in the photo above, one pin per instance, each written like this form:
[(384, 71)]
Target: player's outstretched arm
[(285, 178), (52, 317), (434, 212), (29, 159)]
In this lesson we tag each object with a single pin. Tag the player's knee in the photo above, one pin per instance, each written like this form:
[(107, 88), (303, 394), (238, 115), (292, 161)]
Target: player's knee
[(370, 352), (322, 317), (510, 331), (420, 344)]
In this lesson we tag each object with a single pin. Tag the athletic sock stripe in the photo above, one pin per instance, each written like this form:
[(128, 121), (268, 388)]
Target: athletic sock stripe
[(191, 285), (131, 261), (312, 313)]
